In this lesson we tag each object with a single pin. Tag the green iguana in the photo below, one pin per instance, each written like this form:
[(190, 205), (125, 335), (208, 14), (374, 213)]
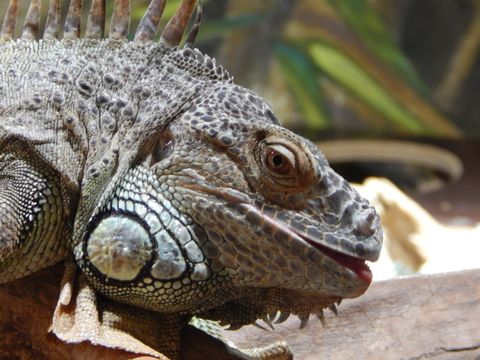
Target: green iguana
[(175, 190)]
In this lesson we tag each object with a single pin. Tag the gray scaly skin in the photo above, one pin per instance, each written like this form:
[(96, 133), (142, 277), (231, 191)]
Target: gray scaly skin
[(175, 189)]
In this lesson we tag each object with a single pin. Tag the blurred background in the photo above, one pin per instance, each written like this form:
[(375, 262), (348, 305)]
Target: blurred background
[(387, 88)]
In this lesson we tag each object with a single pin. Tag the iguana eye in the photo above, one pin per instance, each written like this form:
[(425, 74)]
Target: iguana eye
[(279, 160), (285, 166)]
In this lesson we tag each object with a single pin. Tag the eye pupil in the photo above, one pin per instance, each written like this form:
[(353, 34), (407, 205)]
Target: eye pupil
[(277, 160)]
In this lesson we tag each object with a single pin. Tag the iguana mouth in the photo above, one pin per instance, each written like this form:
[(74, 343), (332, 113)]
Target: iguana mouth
[(357, 265)]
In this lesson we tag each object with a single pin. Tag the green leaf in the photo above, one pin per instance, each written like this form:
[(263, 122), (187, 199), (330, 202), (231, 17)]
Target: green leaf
[(301, 76), (352, 77), (360, 16)]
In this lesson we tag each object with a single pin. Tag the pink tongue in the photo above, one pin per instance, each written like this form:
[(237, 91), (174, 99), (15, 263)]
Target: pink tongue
[(358, 266), (366, 275), (361, 269)]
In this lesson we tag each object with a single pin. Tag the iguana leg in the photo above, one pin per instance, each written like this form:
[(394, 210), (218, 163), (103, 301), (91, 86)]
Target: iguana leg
[(274, 351), (33, 228)]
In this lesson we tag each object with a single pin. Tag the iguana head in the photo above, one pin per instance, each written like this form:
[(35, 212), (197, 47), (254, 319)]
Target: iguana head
[(274, 222), (232, 205), (193, 196)]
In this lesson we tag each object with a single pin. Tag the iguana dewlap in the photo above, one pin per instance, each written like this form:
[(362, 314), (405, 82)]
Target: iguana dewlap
[(175, 190)]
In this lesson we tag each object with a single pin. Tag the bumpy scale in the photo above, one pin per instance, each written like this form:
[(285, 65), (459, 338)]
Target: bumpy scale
[(176, 190)]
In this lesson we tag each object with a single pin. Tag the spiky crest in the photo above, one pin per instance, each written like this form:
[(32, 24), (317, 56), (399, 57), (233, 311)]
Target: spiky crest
[(147, 29)]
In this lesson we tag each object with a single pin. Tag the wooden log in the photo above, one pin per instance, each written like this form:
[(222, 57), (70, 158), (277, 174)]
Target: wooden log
[(418, 317)]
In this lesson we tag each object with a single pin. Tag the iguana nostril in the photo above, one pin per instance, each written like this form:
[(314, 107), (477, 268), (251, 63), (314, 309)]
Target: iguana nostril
[(365, 226)]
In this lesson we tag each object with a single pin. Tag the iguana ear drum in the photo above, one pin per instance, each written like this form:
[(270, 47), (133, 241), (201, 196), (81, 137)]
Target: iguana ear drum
[(122, 248), (119, 247)]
